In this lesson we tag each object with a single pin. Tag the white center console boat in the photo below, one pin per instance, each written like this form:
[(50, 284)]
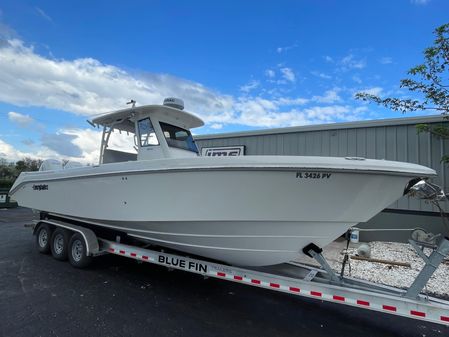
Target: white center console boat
[(245, 210)]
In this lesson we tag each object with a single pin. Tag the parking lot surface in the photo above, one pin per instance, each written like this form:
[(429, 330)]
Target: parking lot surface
[(116, 296)]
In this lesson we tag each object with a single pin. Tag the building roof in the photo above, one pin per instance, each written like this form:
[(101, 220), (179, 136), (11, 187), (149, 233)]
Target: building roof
[(331, 126)]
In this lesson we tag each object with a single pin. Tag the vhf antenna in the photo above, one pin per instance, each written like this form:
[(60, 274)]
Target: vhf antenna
[(133, 102)]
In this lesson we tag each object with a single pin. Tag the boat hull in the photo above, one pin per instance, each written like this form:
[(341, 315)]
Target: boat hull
[(247, 217)]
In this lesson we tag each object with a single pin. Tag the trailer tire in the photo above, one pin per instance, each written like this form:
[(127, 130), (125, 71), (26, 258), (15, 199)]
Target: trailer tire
[(43, 238), (77, 252), (59, 243)]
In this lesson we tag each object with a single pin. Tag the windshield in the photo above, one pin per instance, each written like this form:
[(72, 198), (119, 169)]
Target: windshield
[(177, 137), (147, 134)]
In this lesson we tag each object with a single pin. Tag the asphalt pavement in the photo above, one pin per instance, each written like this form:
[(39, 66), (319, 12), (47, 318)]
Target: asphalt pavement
[(116, 296)]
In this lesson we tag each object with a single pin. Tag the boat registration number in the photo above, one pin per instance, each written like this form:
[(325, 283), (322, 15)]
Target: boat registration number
[(313, 175)]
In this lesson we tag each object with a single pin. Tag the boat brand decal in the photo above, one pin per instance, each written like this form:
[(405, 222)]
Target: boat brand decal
[(313, 175), (181, 263), (40, 187), (223, 151)]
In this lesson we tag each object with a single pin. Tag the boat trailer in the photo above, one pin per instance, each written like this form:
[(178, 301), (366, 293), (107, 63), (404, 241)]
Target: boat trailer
[(293, 278)]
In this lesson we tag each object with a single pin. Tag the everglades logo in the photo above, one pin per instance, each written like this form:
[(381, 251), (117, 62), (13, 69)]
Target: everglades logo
[(223, 151), (40, 187)]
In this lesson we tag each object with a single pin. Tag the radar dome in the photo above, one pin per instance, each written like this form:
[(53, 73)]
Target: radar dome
[(173, 102)]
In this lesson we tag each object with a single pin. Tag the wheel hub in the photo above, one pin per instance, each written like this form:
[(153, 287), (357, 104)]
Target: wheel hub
[(43, 238), (77, 250), (59, 244)]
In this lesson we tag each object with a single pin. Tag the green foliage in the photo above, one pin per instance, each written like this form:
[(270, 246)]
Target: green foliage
[(429, 82), (10, 171), (28, 164), (6, 183)]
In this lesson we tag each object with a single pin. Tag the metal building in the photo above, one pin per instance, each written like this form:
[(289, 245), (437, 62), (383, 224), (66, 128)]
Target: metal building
[(390, 139)]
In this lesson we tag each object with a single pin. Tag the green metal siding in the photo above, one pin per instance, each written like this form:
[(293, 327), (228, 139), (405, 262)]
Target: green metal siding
[(398, 142)]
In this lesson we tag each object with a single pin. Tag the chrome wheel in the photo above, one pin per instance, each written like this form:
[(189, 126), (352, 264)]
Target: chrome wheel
[(43, 238), (77, 250), (58, 244)]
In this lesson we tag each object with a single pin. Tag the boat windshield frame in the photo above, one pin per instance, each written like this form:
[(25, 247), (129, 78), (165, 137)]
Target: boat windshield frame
[(186, 142)]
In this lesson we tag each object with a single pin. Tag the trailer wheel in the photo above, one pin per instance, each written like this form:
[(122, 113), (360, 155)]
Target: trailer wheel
[(59, 243), (43, 236), (77, 252)]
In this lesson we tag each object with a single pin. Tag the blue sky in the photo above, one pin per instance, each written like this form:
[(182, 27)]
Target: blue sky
[(238, 65)]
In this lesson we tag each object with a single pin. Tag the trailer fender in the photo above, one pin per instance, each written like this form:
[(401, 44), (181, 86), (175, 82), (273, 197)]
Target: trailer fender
[(92, 246)]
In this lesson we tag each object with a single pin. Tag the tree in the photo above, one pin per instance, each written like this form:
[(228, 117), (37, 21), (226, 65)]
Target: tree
[(28, 164), (429, 81)]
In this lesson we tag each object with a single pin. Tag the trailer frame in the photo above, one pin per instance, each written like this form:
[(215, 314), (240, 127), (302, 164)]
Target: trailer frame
[(292, 278)]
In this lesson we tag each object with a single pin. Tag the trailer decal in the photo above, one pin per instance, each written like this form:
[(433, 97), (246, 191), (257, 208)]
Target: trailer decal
[(181, 263)]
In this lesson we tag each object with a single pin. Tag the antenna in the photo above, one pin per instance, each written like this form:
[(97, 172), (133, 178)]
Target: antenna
[(133, 102), (88, 121)]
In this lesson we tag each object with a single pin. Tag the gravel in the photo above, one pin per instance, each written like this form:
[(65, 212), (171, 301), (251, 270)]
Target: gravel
[(397, 276)]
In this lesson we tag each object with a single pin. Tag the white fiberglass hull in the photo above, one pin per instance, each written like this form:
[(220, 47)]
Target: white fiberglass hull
[(251, 216)]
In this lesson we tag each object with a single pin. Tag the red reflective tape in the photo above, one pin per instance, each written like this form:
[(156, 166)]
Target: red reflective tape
[(388, 307), (133, 254), (296, 290), (122, 252), (445, 318), (221, 274), (145, 257), (112, 250), (338, 298), (365, 303), (418, 313), (315, 293), (238, 278), (274, 285), (255, 281)]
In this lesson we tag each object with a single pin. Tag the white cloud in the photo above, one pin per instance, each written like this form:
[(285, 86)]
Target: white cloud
[(357, 79), (330, 96), (251, 85), (351, 62), (43, 14), (283, 112), (216, 126), (270, 73), (283, 101), (61, 143), (10, 153), (321, 75), (88, 87), (386, 60), (288, 74), (373, 91), (280, 50), (20, 119), (420, 2), (328, 59)]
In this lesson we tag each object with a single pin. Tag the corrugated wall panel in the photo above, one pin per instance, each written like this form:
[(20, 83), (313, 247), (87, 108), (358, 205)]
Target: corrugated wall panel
[(392, 142)]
